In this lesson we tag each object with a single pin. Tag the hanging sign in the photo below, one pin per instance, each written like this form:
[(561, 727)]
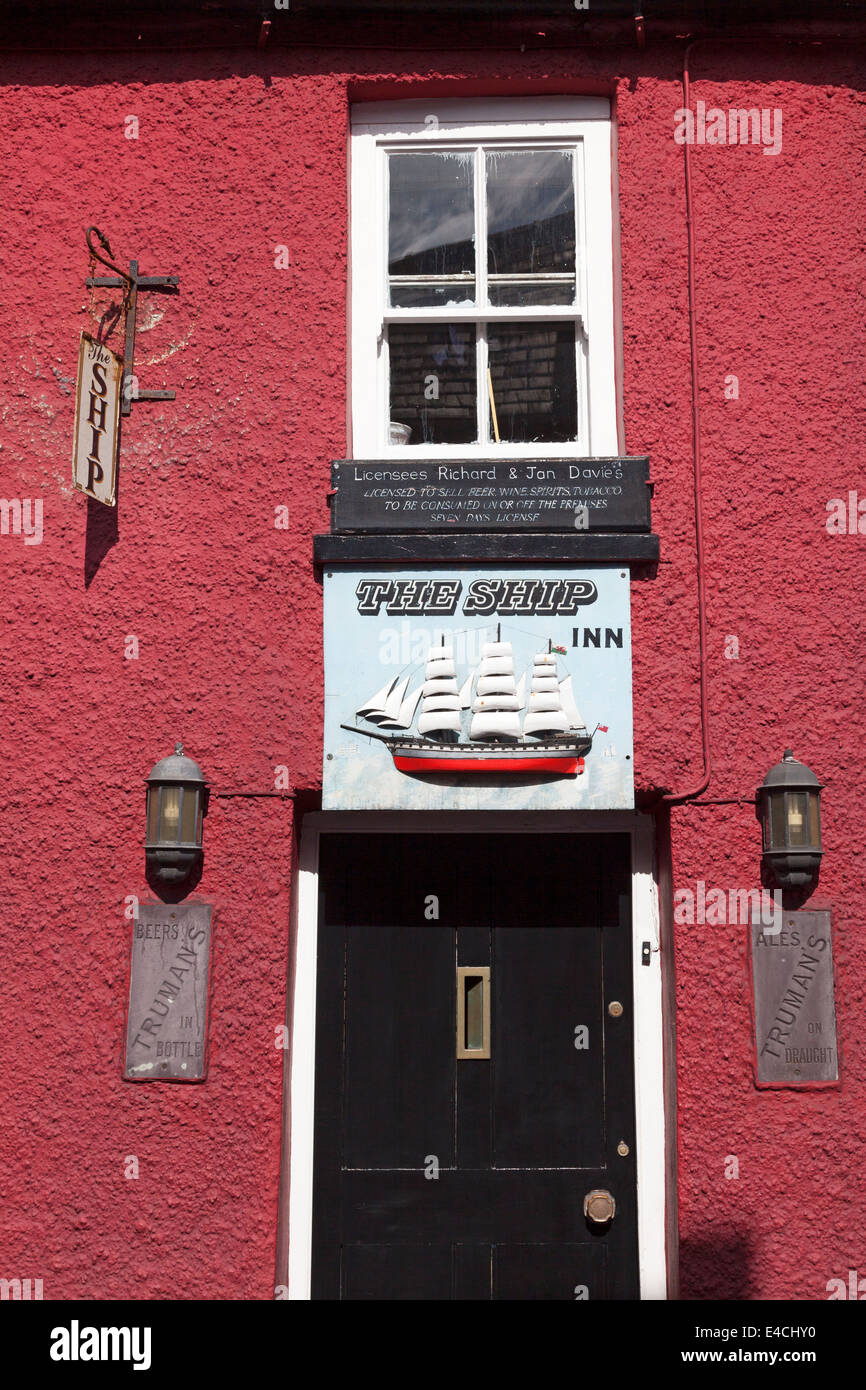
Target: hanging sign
[(594, 494), (166, 1028), (458, 688), (795, 1010), (97, 416)]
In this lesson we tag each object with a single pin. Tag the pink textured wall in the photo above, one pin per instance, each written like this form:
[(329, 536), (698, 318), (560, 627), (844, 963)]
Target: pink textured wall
[(780, 268), (235, 157)]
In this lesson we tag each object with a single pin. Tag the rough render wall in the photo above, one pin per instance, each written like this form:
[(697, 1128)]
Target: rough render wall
[(235, 157), (780, 268)]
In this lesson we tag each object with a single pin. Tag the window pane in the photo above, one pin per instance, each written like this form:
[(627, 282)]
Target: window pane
[(532, 369), (433, 388), (530, 223), (530, 291), (414, 294), (431, 227)]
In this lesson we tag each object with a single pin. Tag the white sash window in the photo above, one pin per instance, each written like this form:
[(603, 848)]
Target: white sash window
[(482, 279)]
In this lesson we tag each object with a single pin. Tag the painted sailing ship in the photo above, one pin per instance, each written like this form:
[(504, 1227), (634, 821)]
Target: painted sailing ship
[(487, 723)]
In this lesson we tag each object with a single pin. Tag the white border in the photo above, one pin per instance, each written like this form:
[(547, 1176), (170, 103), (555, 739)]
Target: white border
[(649, 1092), (377, 125)]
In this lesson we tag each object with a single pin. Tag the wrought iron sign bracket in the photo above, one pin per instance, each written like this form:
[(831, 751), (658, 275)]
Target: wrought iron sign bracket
[(131, 282)]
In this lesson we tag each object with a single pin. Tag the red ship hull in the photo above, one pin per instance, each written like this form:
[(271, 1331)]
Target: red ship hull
[(566, 767)]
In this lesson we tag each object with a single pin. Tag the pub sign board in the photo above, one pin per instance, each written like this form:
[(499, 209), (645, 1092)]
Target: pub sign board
[(97, 421), (466, 688), (795, 1009), (589, 494), (166, 1028)]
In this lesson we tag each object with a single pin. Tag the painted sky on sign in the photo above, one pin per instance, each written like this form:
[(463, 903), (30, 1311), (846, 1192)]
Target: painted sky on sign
[(363, 653)]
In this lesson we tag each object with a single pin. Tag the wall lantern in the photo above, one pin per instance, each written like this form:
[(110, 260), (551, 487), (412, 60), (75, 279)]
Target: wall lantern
[(789, 803), (176, 803)]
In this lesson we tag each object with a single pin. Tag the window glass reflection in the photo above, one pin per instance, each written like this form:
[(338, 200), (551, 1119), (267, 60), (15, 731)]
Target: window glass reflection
[(530, 227), (431, 229)]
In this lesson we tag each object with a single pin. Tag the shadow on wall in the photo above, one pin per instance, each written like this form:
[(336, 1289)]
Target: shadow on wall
[(102, 533), (717, 1265)]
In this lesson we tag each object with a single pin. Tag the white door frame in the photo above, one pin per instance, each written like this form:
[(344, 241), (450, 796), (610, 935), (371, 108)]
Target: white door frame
[(650, 1119)]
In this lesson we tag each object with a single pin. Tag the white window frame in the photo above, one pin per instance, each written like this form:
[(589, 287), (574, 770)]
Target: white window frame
[(525, 122)]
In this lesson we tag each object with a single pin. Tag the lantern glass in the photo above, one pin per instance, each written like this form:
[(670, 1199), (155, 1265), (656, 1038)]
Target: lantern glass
[(774, 826), (169, 814), (814, 818), (797, 815), (189, 820), (152, 817)]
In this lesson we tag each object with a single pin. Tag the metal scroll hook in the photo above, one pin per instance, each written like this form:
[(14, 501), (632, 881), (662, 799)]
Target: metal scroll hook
[(103, 241)]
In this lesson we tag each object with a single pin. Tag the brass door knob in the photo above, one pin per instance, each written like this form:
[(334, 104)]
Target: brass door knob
[(599, 1206)]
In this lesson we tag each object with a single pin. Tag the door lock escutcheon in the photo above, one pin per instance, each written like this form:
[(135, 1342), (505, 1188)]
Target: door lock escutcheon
[(599, 1206)]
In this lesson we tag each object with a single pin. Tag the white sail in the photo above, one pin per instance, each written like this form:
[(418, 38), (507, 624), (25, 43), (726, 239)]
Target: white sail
[(408, 708), (495, 685), (496, 702), (495, 724), (544, 701), (545, 659), (434, 702), (496, 649), (396, 698), (440, 722), (521, 691), (375, 706), (466, 692), (393, 706), (496, 666), (436, 669), (572, 712), (544, 685), (442, 685)]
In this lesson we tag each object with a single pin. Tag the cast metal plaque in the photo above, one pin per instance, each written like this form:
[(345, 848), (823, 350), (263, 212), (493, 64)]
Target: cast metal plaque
[(795, 1010), (166, 1028), (589, 494)]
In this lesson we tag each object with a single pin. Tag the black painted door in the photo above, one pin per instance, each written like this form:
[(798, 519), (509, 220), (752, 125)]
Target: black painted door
[(446, 1176)]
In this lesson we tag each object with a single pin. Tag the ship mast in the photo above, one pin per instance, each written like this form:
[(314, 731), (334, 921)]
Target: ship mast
[(497, 702), (440, 697), (545, 717)]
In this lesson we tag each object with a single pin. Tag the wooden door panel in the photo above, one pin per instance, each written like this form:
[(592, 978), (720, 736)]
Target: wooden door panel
[(473, 1205), (548, 1095), (551, 1272), (399, 1049), (397, 1272)]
